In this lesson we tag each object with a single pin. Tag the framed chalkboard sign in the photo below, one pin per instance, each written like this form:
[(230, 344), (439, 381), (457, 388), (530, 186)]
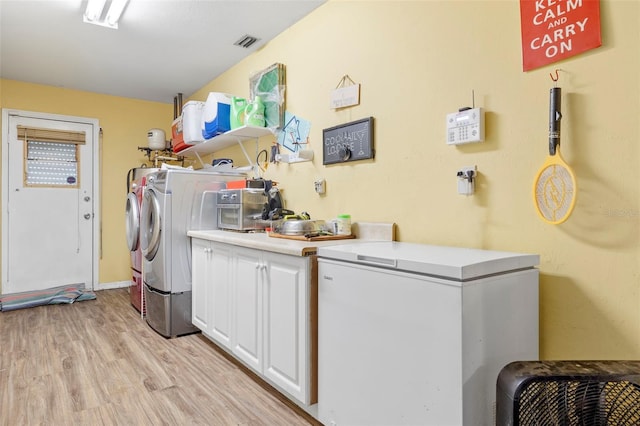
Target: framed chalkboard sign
[(348, 142)]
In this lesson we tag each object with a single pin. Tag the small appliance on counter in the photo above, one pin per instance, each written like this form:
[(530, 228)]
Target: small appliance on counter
[(241, 209)]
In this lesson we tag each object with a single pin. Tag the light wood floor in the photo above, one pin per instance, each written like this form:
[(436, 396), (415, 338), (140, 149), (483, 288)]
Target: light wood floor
[(96, 362)]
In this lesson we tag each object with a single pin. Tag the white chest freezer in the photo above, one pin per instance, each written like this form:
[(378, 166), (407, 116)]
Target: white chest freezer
[(412, 334)]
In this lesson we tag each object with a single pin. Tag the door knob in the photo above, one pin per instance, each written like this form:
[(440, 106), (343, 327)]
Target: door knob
[(87, 216)]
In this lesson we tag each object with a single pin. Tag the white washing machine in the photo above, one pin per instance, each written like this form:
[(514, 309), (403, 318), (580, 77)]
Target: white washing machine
[(174, 201)]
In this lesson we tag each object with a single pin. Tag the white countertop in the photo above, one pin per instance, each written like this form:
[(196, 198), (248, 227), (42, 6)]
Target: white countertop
[(261, 241)]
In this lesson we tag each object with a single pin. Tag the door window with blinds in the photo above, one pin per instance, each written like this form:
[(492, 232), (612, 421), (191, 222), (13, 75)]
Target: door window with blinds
[(51, 157)]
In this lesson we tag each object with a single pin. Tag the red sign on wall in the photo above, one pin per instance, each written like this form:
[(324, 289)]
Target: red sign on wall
[(553, 30)]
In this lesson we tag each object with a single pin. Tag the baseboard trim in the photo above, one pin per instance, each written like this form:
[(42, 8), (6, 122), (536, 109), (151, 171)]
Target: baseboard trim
[(111, 286)]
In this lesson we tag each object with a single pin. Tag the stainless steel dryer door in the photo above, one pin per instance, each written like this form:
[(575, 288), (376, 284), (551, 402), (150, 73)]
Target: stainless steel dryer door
[(132, 224), (150, 224)]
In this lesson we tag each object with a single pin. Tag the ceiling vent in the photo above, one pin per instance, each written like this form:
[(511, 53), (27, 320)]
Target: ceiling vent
[(246, 41)]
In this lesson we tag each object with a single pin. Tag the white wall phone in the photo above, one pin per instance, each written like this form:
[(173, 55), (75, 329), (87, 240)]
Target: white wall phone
[(465, 126)]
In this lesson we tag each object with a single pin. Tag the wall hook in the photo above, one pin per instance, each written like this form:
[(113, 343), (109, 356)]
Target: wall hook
[(556, 77)]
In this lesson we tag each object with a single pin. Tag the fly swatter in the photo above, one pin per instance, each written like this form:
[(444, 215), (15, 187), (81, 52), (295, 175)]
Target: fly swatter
[(554, 189)]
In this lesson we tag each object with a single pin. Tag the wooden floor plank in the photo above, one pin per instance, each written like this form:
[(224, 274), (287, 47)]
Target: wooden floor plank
[(97, 362)]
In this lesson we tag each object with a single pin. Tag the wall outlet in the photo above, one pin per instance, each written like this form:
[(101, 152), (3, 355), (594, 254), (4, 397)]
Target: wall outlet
[(320, 186), (467, 180)]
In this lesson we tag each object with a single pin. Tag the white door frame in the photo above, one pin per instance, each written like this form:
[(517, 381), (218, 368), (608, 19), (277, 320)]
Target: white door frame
[(97, 219)]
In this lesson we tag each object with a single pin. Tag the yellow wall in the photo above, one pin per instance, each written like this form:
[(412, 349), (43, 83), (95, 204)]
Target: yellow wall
[(418, 61), (124, 123)]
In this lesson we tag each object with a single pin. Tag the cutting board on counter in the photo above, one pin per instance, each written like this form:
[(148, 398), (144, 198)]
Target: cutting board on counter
[(316, 238)]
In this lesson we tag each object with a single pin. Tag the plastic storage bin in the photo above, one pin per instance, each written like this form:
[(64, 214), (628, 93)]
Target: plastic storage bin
[(216, 115)]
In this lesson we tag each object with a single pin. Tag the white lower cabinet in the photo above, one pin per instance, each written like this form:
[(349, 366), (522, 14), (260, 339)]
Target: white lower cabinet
[(258, 305), (201, 278), (211, 291), (219, 274), (286, 323), (246, 307)]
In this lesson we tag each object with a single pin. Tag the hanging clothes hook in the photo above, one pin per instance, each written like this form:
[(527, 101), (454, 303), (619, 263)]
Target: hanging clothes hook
[(556, 78)]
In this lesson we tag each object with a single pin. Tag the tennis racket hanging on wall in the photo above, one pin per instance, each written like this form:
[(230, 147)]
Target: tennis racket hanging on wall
[(554, 189)]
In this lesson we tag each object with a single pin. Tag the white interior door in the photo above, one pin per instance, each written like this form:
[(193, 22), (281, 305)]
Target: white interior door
[(48, 225)]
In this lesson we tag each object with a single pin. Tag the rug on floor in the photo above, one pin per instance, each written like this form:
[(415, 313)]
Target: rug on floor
[(51, 296)]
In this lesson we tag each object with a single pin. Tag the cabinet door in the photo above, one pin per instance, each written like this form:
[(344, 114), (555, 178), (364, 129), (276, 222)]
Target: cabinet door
[(200, 261), (286, 323), (247, 307), (220, 294)]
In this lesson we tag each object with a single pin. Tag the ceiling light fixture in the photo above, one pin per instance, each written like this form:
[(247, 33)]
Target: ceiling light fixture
[(93, 13)]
